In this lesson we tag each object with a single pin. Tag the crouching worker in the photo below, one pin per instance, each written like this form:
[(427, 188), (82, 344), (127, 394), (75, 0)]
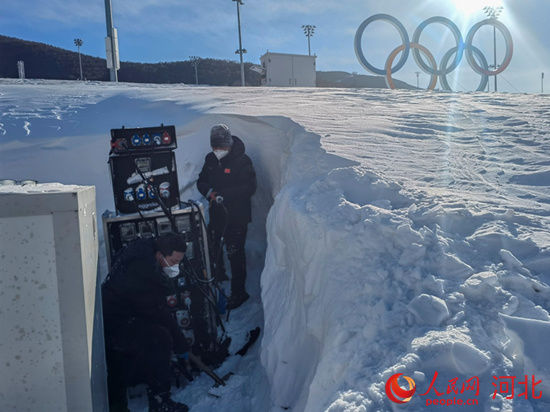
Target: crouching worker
[(140, 333), (228, 181)]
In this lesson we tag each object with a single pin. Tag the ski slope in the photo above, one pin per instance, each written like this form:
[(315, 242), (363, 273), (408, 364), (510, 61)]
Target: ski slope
[(393, 231)]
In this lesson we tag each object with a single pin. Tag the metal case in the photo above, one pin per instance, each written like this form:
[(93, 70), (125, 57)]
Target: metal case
[(118, 231)]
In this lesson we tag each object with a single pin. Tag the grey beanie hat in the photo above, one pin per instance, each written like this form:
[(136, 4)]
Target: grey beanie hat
[(220, 136)]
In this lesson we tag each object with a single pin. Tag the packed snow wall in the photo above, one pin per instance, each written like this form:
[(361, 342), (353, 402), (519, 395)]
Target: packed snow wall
[(364, 279)]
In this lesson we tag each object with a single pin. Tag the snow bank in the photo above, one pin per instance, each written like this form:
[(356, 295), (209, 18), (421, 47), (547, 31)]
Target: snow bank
[(363, 279), (526, 346)]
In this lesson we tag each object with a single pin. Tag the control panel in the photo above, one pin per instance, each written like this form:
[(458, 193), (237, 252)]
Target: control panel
[(159, 138)]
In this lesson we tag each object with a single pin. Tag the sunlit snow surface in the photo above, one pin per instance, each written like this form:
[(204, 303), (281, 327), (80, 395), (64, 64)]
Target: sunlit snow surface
[(408, 232)]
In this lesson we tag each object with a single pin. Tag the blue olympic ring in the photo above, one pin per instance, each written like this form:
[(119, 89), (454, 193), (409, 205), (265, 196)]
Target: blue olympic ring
[(404, 39), (480, 66)]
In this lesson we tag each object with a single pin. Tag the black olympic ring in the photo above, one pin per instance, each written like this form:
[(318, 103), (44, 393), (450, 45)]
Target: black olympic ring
[(479, 66)]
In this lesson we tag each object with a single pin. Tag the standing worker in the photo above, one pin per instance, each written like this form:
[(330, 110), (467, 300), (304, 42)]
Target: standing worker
[(140, 332), (228, 181)]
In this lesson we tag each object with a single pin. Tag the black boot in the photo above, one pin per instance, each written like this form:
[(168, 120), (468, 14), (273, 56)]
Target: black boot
[(162, 402), (236, 300)]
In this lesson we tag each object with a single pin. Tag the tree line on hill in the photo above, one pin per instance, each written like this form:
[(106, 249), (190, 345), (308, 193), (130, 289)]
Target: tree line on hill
[(43, 61)]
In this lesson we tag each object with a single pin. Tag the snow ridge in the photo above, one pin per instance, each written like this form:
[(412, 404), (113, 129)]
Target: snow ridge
[(364, 279)]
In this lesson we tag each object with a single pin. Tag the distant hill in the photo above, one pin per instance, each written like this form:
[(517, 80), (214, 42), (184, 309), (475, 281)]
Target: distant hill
[(354, 80), (47, 62), (43, 61)]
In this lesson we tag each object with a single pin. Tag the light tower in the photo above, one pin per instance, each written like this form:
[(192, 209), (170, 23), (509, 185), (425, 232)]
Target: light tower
[(308, 31), (240, 50), (493, 13), (111, 43), (78, 43), (195, 62)]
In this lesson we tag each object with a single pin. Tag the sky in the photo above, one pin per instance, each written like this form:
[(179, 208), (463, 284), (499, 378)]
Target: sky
[(173, 30)]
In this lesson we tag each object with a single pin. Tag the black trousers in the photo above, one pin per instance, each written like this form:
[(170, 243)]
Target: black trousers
[(234, 239), (138, 352)]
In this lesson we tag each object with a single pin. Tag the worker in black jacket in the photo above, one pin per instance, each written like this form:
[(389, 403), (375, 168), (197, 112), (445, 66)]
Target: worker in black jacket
[(140, 332), (228, 181)]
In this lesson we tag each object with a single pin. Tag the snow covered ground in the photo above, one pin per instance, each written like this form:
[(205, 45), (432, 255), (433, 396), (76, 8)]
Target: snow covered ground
[(402, 231)]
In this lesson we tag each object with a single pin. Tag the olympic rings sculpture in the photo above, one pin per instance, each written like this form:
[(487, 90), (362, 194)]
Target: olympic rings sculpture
[(479, 66)]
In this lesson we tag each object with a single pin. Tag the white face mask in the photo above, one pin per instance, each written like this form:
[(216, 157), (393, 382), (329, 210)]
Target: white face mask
[(171, 271), (220, 154)]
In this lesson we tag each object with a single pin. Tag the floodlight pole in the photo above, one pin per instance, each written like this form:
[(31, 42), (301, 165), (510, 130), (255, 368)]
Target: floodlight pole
[(308, 31), (110, 35), (495, 53), (542, 83), (417, 80), (78, 43), (241, 50), (195, 61), (494, 13)]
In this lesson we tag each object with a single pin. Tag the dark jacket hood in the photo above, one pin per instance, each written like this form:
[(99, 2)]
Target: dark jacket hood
[(237, 151), (143, 250)]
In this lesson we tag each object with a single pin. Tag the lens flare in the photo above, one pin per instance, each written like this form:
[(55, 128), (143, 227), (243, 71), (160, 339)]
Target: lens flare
[(468, 7)]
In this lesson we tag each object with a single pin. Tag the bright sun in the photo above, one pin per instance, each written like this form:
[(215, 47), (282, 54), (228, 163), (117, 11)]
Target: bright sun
[(468, 7)]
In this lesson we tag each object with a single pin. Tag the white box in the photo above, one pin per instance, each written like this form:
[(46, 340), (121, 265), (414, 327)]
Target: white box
[(292, 70), (51, 345)]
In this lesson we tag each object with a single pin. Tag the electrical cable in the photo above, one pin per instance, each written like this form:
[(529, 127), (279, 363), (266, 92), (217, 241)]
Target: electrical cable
[(137, 208), (168, 213), (210, 301), (219, 243), (165, 209), (208, 298), (211, 280), (219, 251), (202, 251)]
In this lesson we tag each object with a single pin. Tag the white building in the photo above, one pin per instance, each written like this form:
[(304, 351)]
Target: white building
[(292, 70)]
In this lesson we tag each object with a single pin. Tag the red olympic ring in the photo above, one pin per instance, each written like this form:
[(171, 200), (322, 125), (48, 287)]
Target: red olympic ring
[(395, 52)]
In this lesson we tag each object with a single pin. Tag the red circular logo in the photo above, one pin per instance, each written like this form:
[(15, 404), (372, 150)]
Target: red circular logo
[(394, 391)]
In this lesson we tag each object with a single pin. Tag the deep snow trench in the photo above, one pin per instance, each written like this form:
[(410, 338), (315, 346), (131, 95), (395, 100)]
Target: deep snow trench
[(363, 279), (284, 154), (354, 275)]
